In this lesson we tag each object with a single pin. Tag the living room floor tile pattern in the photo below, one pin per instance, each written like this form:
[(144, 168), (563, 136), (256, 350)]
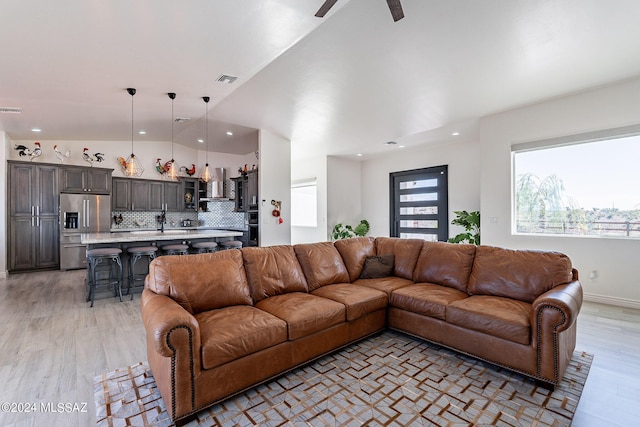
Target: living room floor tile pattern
[(387, 380)]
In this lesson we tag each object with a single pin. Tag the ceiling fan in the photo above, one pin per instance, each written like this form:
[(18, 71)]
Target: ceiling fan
[(394, 6)]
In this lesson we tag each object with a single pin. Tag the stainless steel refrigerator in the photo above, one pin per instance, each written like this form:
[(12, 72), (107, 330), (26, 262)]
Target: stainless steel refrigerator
[(81, 213)]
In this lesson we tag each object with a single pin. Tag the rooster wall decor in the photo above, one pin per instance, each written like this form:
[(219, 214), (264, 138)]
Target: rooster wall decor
[(23, 150), (97, 157), (60, 155), (162, 169), (191, 171)]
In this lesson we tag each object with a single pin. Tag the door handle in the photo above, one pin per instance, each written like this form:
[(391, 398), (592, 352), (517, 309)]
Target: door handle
[(88, 217)]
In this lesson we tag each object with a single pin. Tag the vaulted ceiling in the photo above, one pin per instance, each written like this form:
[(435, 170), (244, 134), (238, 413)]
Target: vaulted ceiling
[(341, 85)]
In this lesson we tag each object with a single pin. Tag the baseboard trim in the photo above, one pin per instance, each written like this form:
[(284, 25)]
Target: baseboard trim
[(620, 302), (3, 274)]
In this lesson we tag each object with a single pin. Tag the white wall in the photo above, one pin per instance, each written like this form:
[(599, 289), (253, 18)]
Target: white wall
[(463, 163), (308, 169), (344, 190), (274, 184), (617, 261)]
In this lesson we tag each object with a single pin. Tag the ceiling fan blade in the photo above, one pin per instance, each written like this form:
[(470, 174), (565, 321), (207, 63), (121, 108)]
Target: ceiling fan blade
[(328, 4), (396, 10)]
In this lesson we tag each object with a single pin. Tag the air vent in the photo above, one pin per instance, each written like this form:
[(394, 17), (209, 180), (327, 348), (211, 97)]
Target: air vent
[(224, 78), (182, 119), (390, 143), (10, 110)]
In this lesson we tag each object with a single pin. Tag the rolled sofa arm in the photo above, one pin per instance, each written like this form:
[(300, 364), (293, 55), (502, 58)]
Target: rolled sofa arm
[(566, 298), (553, 329), (161, 315)]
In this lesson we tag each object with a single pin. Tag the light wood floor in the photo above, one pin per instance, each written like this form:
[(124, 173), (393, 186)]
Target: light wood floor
[(52, 345)]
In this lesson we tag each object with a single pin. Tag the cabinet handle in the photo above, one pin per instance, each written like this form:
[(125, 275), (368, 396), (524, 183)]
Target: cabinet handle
[(33, 215), (37, 216)]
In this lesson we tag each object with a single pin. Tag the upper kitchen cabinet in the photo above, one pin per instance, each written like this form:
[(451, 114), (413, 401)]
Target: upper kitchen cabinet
[(247, 191), (130, 195), (165, 196), (76, 179)]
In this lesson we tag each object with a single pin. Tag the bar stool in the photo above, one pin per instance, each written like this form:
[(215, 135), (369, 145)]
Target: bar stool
[(134, 255), (97, 256), (231, 244), (204, 247), (175, 249)]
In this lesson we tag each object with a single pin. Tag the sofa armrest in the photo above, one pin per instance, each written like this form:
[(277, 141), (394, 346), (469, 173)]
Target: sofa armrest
[(553, 329), (565, 300), (161, 316)]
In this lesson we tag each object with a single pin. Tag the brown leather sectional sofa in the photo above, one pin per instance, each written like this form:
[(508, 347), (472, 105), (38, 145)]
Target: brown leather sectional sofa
[(220, 323)]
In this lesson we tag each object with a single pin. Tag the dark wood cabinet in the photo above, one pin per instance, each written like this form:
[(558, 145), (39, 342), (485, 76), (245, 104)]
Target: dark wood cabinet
[(247, 197), (120, 194), (33, 216), (85, 180), (147, 195)]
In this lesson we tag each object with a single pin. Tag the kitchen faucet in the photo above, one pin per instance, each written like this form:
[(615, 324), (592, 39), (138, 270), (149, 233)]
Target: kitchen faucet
[(162, 219)]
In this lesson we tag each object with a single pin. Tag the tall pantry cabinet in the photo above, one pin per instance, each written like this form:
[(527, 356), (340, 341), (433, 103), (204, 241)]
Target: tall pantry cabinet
[(33, 216)]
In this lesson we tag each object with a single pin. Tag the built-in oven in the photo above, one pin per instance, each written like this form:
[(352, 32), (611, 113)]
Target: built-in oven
[(253, 222)]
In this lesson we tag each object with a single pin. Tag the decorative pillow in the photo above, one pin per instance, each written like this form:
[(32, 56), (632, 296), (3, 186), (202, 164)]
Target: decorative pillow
[(376, 267)]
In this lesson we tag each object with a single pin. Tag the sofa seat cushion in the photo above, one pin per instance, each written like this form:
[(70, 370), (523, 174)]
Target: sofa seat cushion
[(427, 299), (304, 313), (501, 317), (358, 300), (233, 332), (385, 284)]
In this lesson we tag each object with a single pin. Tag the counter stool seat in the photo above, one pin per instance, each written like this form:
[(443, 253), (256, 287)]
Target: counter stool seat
[(203, 247), (231, 244), (97, 256), (135, 254), (175, 249)]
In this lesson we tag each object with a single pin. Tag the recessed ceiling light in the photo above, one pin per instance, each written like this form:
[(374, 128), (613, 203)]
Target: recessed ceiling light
[(201, 141), (400, 146), (455, 134), (36, 130), (359, 154), (229, 133), (142, 132)]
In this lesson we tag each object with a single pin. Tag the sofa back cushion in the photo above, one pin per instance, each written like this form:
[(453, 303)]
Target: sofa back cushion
[(405, 251), (445, 264), (353, 252), (322, 264), (201, 282), (273, 270), (519, 274)]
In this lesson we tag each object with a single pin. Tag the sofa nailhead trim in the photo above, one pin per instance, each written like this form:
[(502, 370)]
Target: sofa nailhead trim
[(556, 380), (173, 370)]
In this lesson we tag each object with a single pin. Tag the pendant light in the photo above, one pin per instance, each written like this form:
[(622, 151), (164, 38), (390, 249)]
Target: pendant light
[(173, 170), (206, 174), (132, 164)]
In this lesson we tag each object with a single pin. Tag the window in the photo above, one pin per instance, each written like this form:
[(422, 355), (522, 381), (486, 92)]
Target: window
[(304, 203), (419, 204), (584, 185)]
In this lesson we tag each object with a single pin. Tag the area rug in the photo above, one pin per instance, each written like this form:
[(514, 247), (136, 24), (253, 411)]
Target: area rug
[(386, 380)]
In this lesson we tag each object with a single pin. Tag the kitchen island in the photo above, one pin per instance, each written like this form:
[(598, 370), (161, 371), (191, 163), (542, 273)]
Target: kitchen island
[(155, 235), (128, 239)]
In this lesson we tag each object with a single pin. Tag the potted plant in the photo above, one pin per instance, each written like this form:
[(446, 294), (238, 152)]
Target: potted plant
[(471, 223), (346, 231)]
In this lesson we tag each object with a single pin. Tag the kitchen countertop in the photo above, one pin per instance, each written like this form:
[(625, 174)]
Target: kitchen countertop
[(154, 235)]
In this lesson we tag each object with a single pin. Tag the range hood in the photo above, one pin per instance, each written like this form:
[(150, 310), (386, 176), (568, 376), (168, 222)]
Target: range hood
[(217, 183)]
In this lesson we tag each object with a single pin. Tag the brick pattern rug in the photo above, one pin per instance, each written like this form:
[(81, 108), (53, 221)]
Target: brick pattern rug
[(387, 380)]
